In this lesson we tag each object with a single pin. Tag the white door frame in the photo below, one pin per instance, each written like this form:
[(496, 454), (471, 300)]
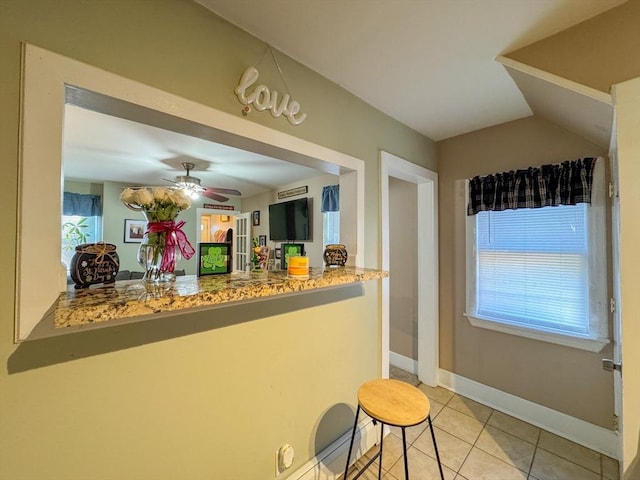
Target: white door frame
[(200, 211), (426, 183)]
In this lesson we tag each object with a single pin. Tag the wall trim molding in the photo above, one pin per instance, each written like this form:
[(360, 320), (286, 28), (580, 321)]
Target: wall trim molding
[(405, 363), (426, 183), (579, 431), (329, 464)]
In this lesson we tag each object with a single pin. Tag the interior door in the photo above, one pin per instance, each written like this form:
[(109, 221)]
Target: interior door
[(242, 243)]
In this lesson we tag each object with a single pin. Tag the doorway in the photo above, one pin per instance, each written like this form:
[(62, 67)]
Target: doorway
[(426, 258)]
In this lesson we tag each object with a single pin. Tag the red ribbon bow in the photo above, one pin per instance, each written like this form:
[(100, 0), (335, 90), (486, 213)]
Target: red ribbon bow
[(175, 238)]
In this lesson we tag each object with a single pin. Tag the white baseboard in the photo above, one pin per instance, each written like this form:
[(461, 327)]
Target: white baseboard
[(330, 463), (405, 363), (584, 433)]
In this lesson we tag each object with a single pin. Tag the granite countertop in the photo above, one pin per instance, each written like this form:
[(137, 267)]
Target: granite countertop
[(133, 298)]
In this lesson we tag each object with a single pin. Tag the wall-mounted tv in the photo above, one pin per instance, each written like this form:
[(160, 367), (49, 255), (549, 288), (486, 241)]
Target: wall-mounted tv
[(290, 220)]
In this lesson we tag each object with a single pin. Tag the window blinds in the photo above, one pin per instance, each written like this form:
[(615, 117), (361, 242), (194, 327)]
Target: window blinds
[(532, 267)]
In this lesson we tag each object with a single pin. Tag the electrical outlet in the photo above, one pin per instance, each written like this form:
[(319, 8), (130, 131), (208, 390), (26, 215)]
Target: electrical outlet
[(284, 458)]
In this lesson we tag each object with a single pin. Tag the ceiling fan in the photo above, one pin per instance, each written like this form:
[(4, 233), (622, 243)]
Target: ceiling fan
[(192, 186)]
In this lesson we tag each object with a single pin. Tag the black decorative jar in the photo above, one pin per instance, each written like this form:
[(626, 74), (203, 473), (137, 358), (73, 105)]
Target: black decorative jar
[(335, 255), (94, 263)]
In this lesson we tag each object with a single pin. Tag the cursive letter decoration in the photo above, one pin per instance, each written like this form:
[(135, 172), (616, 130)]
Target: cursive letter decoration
[(263, 99)]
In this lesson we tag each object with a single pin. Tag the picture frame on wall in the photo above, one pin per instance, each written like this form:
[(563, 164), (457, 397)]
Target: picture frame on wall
[(277, 253), (262, 240), (290, 250), (214, 258), (134, 230), (255, 217)]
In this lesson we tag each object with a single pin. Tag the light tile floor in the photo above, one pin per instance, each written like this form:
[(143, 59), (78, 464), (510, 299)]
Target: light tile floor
[(476, 442)]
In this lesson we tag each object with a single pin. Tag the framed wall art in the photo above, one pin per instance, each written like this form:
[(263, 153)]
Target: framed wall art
[(134, 230)]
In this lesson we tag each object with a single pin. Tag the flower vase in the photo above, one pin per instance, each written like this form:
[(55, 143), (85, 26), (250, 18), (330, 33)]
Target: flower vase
[(151, 252), (164, 242)]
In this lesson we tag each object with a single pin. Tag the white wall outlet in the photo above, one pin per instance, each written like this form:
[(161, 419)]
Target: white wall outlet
[(284, 458)]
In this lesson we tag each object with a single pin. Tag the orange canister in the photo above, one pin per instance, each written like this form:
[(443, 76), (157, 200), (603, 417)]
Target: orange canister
[(298, 266)]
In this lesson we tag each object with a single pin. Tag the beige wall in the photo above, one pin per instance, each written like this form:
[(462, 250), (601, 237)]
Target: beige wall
[(197, 396), (403, 268), (598, 52), (551, 375)]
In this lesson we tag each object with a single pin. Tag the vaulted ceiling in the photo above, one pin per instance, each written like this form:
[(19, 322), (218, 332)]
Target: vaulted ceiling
[(430, 64)]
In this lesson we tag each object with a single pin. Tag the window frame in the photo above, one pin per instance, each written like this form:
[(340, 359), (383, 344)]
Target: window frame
[(598, 267)]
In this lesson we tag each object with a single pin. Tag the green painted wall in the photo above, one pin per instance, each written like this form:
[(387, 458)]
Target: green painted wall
[(198, 396)]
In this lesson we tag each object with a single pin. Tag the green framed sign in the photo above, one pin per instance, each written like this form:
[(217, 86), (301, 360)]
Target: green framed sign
[(214, 258), (290, 250)]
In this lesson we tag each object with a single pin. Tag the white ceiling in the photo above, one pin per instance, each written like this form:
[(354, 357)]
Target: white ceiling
[(429, 64), (137, 153)]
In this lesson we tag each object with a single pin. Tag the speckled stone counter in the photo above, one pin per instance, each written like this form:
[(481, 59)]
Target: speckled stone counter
[(133, 298)]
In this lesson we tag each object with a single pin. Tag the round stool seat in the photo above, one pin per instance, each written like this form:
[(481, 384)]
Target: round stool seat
[(394, 402)]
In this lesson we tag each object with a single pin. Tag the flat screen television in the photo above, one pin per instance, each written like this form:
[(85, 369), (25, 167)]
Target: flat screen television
[(290, 220)]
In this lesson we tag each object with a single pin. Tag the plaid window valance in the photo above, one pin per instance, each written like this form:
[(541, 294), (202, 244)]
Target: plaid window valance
[(566, 183)]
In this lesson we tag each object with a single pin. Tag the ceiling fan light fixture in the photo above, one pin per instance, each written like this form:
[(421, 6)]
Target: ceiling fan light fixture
[(189, 187)]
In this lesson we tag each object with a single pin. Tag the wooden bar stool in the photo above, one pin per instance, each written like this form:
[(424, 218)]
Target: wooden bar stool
[(396, 403)]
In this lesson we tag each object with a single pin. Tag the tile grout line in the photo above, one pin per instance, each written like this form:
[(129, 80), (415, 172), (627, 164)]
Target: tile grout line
[(540, 430), (537, 445), (484, 426)]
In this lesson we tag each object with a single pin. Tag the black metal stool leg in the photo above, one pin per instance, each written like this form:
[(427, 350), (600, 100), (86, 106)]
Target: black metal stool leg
[(353, 436), (404, 451), (435, 447), (380, 456)]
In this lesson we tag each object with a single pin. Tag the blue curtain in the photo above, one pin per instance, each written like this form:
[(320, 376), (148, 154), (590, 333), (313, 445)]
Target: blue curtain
[(82, 205), (331, 198)]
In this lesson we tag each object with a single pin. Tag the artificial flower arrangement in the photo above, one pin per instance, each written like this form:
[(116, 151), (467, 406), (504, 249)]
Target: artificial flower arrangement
[(164, 241), (160, 204)]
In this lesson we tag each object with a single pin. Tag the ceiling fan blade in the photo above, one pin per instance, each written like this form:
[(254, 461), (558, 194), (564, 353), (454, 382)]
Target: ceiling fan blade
[(214, 196), (226, 191)]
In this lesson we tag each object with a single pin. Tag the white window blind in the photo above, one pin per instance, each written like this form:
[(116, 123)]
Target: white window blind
[(330, 228), (532, 267)]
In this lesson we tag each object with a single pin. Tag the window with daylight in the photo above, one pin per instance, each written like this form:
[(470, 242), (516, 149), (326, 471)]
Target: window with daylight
[(81, 222), (541, 272), (330, 228), (77, 230), (330, 214)]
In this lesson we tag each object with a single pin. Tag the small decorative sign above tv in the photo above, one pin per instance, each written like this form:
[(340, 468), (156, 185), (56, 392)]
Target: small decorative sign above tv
[(214, 206), (290, 220), (293, 192), (264, 99)]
